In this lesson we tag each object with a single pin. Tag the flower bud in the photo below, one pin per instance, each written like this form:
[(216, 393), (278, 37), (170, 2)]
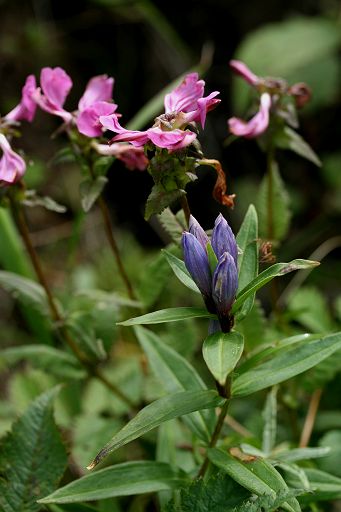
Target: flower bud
[(225, 284), (198, 232), (223, 239), (196, 262)]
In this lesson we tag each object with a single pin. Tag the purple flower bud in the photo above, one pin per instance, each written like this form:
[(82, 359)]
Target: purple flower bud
[(223, 239), (225, 284), (198, 232), (196, 262)]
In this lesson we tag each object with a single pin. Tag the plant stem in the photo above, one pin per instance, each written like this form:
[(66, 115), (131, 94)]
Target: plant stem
[(310, 418), (270, 162), (56, 316), (215, 436), (186, 209)]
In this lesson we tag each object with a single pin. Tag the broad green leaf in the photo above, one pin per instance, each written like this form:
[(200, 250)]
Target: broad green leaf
[(247, 240), (168, 315), (277, 270), (310, 308), (286, 365), (323, 485), (90, 190), (302, 454), (270, 421), (258, 476), (176, 374), (221, 352), (26, 290), (273, 206), (331, 443), (172, 224), (151, 416), (180, 270), (45, 357), (289, 139), (32, 457), (120, 480), (159, 199)]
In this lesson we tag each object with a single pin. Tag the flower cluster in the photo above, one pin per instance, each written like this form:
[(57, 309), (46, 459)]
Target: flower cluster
[(213, 266), (272, 91), (184, 105)]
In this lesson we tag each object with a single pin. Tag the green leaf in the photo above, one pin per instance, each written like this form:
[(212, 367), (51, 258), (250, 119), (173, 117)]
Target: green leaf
[(159, 199), (277, 270), (32, 199), (222, 352), (311, 309), (176, 374), (153, 280), (212, 258), (90, 189), (323, 485), (120, 480), (270, 421), (302, 454), (151, 416), (32, 457), (287, 138), (168, 315), (284, 366), (247, 241), (331, 443), (180, 270), (266, 503), (56, 361), (171, 223), (273, 206), (218, 494), (258, 476), (25, 290)]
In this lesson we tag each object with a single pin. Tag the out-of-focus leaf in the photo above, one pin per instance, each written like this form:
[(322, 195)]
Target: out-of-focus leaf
[(221, 352), (120, 480), (302, 454), (90, 190), (26, 290), (270, 421), (273, 206), (32, 457), (253, 327), (32, 199), (324, 486), (289, 139), (153, 280), (331, 462), (311, 309), (151, 416)]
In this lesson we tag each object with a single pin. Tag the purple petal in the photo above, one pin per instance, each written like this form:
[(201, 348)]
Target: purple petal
[(204, 105), (184, 97), (196, 262), (174, 139), (136, 137), (213, 327), (99, 88), (225, 284), (257, 125), (223, 239), (27, 107), (12, 166), (56, 85), (88, 119), (198, 232), (242, 70)]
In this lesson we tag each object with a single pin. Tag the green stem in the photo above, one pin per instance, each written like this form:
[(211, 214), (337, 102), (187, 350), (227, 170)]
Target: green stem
[(92, 370), (270, 211)]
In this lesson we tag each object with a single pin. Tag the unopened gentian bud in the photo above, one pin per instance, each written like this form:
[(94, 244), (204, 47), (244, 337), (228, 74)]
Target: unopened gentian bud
[(225, 284), (197, 231), (196, 262), (223, 239)]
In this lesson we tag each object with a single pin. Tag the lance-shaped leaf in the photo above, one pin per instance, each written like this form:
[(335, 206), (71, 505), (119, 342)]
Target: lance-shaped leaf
[(164, 409), (277, 270), (286, 365), (257, 475), (168, 315), (26, 290), (222, 352), (247, 241), (120, 480), (323, 485), (90, 190), (180, 270), (176, 374)]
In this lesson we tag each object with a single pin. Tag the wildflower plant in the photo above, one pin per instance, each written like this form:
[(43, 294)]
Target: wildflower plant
[(179, 390)]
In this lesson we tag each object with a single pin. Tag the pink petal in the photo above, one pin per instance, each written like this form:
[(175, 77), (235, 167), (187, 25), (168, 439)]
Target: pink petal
[(242, 70), (99, 88), (257, 125), (204, 105), (12, 166), (88, 122), (49, 107), (184, 97), (132, 157), (26, 109), (136, 137), (175, 139), (56, 85)]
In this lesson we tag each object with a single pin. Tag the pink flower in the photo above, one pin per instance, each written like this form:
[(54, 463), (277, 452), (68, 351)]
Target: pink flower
[(132, 157), (242, 70), (26, 109), (182, 106), (55, 86), (257, 124), (12, 166), (99, 88)]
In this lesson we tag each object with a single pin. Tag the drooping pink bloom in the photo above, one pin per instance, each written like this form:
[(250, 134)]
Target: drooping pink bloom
[(99, 88), (242, 70), (183, 105), (257, 124), (26, 109), (55, 86), (132, 157), (12, 166)]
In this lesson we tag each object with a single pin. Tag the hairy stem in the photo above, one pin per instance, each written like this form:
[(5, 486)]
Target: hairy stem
[(55, 314), (310, 418), (186, 209)]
